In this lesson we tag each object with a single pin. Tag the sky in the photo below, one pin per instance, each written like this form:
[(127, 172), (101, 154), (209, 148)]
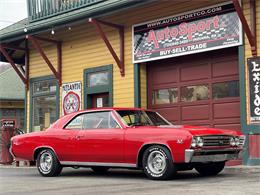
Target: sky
[(12, 11)]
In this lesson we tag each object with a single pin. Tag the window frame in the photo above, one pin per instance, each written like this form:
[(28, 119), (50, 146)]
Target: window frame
[(46, 94)]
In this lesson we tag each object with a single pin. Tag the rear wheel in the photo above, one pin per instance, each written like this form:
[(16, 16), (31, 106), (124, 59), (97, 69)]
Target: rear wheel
[(210, 168), (47, 163), (100, 169), (158, 163)]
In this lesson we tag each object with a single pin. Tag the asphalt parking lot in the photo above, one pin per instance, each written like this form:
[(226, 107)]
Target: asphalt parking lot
[(232, 181)]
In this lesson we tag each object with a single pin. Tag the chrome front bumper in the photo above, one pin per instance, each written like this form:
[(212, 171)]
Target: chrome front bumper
[(212, 155)]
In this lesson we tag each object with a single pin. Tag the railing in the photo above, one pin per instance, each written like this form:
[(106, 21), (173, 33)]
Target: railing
[(41, 9)]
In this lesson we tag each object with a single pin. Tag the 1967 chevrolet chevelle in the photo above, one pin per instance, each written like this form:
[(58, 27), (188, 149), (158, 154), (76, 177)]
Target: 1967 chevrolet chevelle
[(131, 138)]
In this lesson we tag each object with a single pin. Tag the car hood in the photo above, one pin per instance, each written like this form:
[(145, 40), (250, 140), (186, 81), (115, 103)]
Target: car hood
[(200, 131)]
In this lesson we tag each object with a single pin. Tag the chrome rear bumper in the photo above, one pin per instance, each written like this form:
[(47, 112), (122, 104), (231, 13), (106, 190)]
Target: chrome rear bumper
[(212, 155)]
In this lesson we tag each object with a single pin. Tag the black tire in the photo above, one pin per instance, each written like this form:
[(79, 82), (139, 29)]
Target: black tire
[(100, 170), (210, 168), (54, 168), (166, 167)]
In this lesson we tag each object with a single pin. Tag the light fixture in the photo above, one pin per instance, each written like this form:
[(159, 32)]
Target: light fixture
[(52, 32), (69, 28), (25, 29)]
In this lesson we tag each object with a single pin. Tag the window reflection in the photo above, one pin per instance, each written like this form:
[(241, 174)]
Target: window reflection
[(194, 93), (165, 96), (98, 78), (225, 89)]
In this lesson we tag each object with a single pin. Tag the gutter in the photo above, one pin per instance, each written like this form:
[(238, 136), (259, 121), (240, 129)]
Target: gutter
[(76, 17)]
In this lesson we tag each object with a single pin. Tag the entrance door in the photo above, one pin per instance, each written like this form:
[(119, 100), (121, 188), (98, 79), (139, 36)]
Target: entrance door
[(100, 100)]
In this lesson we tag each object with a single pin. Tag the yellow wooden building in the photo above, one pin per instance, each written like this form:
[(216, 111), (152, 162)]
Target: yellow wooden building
[(79, 54)]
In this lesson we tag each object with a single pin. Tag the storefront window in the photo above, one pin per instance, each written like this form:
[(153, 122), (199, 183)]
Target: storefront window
[(98, 78), (165, 96), (44, 104), (194, 93), (225, 89)]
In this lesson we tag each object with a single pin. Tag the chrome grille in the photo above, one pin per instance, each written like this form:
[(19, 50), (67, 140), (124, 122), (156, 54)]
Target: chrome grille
[(216, 140)]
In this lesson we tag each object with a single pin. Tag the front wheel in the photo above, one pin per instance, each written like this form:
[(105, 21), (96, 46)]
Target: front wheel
[(47, 163), (158, 163), (210, 168)]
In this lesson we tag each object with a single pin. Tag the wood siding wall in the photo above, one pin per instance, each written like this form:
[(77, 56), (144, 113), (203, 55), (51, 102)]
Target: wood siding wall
[(82, 48)]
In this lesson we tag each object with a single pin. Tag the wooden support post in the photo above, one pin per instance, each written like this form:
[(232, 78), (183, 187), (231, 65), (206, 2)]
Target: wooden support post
[(251, 34), (120, 62), (36, 45)]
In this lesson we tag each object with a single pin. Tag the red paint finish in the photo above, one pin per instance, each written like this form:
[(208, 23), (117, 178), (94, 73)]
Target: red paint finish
[(254, 143), (119, 145), (204, 69)]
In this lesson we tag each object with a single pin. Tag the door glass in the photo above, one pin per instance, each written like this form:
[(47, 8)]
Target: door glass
[(225, 89), (99, 120), (165, 96), (44, 112), (76, 123), (194, 93)]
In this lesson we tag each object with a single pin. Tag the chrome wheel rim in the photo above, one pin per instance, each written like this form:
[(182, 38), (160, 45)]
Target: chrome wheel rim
[(156, 162), (46, 162)]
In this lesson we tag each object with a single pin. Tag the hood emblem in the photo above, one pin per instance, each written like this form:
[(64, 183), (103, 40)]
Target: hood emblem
[(179, 141)]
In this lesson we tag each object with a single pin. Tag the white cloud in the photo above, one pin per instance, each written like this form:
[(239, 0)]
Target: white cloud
[(12, 11)]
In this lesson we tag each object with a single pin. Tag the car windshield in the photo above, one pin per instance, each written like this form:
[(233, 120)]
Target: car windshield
[(142, 118)]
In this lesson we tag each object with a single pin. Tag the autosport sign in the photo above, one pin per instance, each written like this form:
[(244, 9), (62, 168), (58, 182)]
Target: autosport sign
[(206, 29), (254, 88), (71, 97)]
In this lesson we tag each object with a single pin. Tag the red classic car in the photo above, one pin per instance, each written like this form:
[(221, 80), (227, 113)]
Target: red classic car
[(130, 138)]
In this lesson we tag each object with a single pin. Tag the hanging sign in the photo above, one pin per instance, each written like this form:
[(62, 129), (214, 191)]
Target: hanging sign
[(201, 30), (71, 97), (254, 88)]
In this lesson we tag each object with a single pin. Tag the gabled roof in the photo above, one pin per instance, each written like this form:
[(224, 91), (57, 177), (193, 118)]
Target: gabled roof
[(11, 86), (16, 31)]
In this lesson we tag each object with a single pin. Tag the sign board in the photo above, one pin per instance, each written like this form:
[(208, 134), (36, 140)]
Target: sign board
[(7, 123), (71, 97), (201, 30), (254, 88)]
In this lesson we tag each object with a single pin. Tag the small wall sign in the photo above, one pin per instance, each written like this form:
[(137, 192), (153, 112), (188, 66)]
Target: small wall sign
[(71, 97), (254, 88)]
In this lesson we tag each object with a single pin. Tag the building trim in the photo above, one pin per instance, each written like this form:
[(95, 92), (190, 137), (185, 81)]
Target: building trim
[(98, 89), (57, 93), (137, 94)]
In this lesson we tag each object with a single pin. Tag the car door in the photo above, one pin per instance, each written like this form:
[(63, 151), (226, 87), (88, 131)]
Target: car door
[(101, 139)]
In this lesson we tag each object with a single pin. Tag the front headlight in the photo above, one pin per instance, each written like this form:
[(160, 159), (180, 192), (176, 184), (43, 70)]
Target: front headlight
[(237, 141), (199, 141), (196, 142), (193, 142), (232, 141)]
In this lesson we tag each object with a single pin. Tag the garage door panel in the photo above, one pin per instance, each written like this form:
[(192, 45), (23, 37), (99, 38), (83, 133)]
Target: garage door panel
[(191, 73), (216, 71), (225, 68), (196, 112), (164, 76), (171, 114), (226, 110)]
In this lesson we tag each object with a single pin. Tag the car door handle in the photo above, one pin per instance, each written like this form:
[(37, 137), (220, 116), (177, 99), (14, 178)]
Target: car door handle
[(79, 136)]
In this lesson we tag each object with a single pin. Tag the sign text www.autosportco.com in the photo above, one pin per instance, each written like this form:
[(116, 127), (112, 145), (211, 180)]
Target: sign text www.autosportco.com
[(201, 30)]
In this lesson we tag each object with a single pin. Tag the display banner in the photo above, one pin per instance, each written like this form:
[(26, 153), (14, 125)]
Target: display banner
[(71, 97), (254, 88), (197, 31)]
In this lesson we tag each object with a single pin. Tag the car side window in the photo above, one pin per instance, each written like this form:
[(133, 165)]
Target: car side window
[(76, 123), (99, 120)]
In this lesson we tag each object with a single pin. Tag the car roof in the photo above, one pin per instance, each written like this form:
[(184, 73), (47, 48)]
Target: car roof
[(68, 117)]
